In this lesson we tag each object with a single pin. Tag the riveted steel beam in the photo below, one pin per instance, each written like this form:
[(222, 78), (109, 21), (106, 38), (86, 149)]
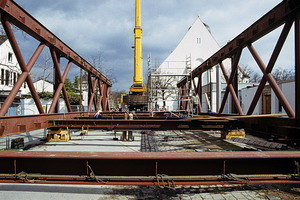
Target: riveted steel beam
[(149, 124), (155, 168)]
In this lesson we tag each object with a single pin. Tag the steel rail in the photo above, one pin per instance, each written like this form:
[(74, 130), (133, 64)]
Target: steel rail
[(161, 180)]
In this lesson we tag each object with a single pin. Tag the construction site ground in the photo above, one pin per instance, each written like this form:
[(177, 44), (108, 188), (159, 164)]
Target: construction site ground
[(161, 141)]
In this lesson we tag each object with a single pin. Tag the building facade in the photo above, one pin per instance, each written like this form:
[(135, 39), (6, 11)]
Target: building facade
[(197, 45), (9, 73)]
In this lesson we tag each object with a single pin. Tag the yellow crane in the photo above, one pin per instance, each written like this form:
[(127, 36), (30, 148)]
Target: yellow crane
[(137, 98)]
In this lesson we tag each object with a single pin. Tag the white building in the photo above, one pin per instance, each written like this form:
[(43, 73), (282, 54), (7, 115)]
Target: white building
[(268, 102), (288, 89), (9, 73), (197, 45), (40, 86), (9, 66)]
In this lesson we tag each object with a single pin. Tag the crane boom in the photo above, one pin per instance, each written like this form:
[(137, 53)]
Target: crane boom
[(138, 85), (137, 98)]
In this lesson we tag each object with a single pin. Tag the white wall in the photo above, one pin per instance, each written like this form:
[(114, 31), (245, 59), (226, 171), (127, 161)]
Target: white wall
[(30, 107), (9, 64), (288, 90), (199, 45), (246, 95)]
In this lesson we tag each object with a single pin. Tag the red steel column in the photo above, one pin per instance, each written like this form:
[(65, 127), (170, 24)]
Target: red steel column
[(297, 65), (274, 56), (180, 97), (231, 90), (286, 105), (185, 98), (100, 83), (104, 96), (196, 90), (59, 89), (107, 108), (199, 92), (25, 70), (92, 96), (60, 85), (90, 93), (229, 87)]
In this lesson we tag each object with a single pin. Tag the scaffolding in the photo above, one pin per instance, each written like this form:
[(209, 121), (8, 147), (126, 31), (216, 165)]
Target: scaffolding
[(163, 77)]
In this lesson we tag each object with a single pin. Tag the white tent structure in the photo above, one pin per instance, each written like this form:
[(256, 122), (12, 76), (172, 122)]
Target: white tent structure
[(197, 45)]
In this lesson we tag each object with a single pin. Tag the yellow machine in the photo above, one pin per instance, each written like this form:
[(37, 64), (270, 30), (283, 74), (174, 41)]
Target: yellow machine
[(137, 98)]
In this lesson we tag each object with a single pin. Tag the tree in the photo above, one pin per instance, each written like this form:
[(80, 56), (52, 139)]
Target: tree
[(164, 88), (73, 93), (43, 69), (279, 74), (98, 62), (254, 77), (115, 98), (76, 83), (286, 74)]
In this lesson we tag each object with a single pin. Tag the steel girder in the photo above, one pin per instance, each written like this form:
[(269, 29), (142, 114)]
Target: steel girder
[(155, 168), (11, 13), (149, 124), (20, 124), (287, 12)]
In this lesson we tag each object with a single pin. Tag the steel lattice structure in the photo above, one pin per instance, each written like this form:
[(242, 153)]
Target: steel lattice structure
[(286, 13), (152, 168), (11, 13)]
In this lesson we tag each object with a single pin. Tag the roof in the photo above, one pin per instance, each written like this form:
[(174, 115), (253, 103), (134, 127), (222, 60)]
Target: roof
[(44, 81), (3, 38)]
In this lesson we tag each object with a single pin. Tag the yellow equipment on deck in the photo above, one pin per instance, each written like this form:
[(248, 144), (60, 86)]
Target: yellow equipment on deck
[(59, 136), (137, 97)]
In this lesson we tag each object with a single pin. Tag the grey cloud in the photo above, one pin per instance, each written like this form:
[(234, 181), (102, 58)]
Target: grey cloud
[(107, 25)]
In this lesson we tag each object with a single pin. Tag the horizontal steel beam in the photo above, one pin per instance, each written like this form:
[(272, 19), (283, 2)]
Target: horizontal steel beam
[(273, 127), (156, 168), (23, 123), (150, 124)]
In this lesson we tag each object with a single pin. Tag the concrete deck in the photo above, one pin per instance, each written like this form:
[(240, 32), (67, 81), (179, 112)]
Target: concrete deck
[(99, 141)]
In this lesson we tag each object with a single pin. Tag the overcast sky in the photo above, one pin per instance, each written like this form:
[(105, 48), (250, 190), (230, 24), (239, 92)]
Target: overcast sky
[(106, 26)]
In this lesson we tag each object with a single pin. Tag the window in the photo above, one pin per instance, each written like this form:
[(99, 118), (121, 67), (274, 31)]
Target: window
[(198, 40), (11, 78), (7, 73), (279, 107), (15, 78), (2, 76), (10, 57)]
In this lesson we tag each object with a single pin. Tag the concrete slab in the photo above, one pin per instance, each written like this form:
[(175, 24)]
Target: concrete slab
[(95, 140), (30, 139)]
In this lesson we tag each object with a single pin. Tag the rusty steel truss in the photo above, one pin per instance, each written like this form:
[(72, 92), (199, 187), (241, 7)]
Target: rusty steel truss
[(98, 84), (139, 168), (286, 13)]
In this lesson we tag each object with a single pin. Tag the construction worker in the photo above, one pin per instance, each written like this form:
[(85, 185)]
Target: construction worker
[(130, 116), (195, 102), (98, 115)]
